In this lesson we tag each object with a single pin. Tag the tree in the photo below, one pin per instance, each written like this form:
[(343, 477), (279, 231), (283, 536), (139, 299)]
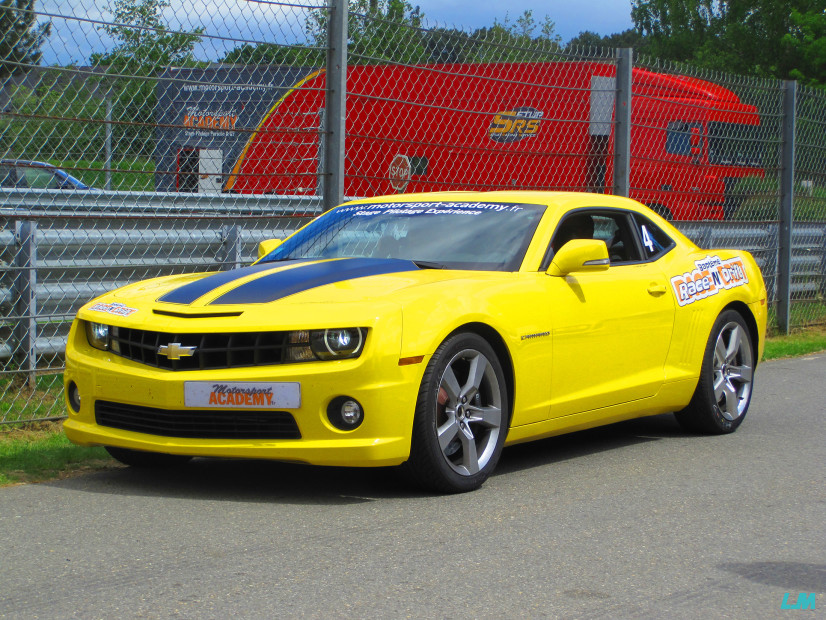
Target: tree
[(448, 45), (378, 31), (381, 31), (145, 48), (773, 38), (56, 121), (626, 38), (517, 41), (20, 37), (806, 43), (273, 54)]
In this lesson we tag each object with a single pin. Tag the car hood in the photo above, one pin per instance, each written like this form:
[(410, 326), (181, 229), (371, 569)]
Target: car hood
[(284, 284)]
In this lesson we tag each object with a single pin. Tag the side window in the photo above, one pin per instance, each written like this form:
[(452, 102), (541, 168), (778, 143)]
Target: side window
[(38, 178), (612, 227), (615, 231), (679, 135), (655, 242)]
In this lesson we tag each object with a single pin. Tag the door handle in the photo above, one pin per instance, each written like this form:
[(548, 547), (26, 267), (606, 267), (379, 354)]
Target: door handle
[(656, 289)]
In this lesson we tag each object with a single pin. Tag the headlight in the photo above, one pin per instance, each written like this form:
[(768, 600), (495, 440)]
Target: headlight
[(98, 335), (331, 344), (325, 344)]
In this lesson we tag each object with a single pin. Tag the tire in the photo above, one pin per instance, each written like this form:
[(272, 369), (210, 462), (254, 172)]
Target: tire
[(155, 460), (721, 399), (461, 417)]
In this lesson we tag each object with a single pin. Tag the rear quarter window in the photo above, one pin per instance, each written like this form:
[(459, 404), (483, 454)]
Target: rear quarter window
[(655, 242)]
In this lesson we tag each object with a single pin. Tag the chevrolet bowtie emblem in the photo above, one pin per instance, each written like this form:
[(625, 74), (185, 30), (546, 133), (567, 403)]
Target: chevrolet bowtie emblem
[(174, 351)]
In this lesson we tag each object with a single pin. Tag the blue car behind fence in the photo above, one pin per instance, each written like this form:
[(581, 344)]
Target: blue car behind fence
[(21, 174)]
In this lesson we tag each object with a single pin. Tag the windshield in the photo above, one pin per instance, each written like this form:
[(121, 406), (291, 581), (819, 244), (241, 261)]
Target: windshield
[(453, 235), (734, 144)]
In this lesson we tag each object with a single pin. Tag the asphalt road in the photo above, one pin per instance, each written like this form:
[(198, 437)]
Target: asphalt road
[(635, 520)]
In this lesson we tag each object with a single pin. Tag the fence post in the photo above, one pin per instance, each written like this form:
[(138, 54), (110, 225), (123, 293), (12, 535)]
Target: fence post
[(25, 307), (320, 163), (108, 154), (784, 238), (336, 107), (622, 123), (823, 262), (230, 246)]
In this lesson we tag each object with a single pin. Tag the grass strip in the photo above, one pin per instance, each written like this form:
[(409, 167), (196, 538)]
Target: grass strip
[(796, 344), (39, 452)]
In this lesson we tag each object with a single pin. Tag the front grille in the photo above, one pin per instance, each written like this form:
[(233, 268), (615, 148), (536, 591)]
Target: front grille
[(212, 351), (197, 423)]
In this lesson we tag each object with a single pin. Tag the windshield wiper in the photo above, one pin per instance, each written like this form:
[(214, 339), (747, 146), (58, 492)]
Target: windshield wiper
[(426, 264), (278, 260)]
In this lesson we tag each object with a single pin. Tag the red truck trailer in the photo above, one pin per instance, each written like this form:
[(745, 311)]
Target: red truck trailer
[(508, 126)]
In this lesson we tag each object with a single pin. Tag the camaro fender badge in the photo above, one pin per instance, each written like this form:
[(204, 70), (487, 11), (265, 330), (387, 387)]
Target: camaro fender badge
[(113, 308), (709, 276), (175, 351), (530, 336)]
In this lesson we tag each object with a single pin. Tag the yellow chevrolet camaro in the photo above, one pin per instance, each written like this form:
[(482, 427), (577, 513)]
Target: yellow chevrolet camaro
[(426, 331)]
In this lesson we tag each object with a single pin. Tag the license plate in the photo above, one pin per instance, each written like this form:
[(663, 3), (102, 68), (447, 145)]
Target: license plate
[(242, 394)]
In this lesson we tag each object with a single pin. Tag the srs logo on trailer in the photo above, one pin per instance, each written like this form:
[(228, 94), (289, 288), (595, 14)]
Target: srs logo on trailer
[(514, 125)]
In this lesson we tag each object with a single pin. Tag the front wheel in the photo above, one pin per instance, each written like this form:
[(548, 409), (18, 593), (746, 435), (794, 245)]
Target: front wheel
[(461, 417), (723, 393)]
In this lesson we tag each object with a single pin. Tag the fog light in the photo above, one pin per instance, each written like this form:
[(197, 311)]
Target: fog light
[(351, 413), (345, 413), (73, 395)]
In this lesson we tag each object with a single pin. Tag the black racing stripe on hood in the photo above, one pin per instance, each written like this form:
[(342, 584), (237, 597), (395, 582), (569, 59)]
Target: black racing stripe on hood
[(188, 293), (291, 281)]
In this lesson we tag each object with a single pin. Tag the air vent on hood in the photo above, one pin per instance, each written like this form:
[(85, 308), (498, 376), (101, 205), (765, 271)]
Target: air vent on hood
[(196, 315)]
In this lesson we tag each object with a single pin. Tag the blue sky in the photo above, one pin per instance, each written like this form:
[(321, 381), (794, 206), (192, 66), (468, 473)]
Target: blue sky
[(570, 16), (73, 40)]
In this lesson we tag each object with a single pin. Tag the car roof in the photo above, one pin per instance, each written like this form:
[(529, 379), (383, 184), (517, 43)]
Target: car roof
[(563, 201), (27, 162)]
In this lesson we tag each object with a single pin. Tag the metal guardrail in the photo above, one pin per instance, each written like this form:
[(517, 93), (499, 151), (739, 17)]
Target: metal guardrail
[(60, 249), (808, 251), (34, 202), (71, 259)]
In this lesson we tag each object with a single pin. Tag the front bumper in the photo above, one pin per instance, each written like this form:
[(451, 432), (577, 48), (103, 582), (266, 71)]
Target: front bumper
[(386, 391)]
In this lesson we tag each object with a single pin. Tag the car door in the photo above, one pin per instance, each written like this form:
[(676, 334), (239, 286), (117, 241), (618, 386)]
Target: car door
[(611, 329)]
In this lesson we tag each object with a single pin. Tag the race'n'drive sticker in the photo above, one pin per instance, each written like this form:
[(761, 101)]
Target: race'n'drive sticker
[(114, 308), (709, 276)]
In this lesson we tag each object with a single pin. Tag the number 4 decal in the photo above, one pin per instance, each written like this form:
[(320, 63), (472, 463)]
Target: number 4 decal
[(647, 241)]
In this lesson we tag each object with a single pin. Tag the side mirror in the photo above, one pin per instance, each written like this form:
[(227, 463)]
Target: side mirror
[(580, 255), (267, 246)]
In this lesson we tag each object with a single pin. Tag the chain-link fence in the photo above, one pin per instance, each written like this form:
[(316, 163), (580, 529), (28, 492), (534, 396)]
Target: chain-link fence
[(159, 137)]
